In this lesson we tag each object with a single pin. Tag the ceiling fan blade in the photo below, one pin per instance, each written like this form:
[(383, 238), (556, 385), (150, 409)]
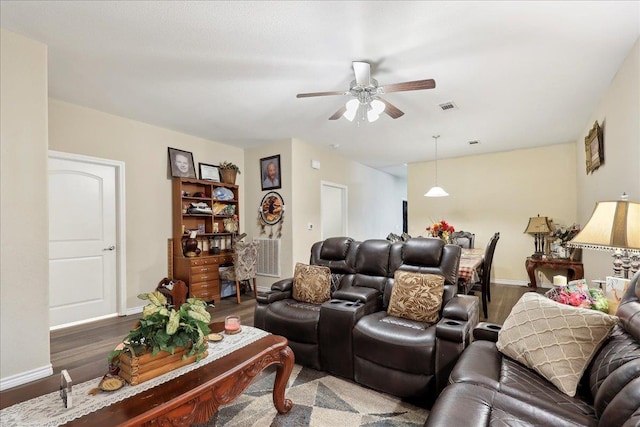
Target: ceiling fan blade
[(362, 70), (415, 85), (393, 111), (308, 95), (338, 113)]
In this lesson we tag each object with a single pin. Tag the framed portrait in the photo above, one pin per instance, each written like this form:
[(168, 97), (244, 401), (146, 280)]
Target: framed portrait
[(209, 172), (594, 148), (181, 163), (271, 208), (270, 173)]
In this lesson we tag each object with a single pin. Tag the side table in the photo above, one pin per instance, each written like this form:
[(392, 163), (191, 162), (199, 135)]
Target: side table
[(574, 268)]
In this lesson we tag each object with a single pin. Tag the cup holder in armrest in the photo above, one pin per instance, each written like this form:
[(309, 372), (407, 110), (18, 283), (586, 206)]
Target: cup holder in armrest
[(335, 301), (451, 323), (494, 327)]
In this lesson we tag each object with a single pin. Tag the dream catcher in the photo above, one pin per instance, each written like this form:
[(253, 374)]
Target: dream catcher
[(271, 214)]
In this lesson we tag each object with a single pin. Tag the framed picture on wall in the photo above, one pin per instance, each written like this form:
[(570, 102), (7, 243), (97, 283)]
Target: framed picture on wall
[(594, 148), (209, 172), (270, 172), (181, 163)]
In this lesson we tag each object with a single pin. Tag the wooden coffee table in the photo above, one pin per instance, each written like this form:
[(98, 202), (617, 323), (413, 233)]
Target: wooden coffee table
[(194, 398)]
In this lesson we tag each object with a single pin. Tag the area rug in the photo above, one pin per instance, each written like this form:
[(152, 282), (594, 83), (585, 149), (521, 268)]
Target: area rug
[(319, 399)]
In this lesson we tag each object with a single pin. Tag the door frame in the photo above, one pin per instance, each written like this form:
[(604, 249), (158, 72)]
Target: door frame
[(345, 200), (121, 252)]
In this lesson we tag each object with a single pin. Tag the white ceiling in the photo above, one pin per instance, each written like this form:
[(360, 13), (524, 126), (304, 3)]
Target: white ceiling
[(523, 74)]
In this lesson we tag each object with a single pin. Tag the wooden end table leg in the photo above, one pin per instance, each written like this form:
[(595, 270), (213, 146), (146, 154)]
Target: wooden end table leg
[(283, 371), (531, 271)]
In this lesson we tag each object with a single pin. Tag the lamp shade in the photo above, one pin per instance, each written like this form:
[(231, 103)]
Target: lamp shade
[(612, 225), (352, 108), (538, 225), (436, 192)]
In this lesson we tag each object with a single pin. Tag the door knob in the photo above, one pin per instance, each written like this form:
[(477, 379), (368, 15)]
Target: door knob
[(110, 248)]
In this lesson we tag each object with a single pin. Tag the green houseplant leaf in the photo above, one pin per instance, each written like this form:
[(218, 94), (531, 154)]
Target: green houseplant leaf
[(162, 328)]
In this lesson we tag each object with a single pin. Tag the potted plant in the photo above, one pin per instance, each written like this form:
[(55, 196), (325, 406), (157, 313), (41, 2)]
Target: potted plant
[(228, 172), (163, 339)]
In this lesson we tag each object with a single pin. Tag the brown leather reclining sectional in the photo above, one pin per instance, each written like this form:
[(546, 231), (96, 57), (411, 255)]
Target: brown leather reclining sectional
[(488, 388), (352, 336)]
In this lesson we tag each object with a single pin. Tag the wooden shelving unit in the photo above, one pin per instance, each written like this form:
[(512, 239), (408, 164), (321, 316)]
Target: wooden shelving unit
[(201, 272)]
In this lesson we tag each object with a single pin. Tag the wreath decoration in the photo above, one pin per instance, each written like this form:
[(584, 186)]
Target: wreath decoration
[(271, 214)]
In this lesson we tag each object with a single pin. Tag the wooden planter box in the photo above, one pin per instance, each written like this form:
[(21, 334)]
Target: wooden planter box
[(138, 369)]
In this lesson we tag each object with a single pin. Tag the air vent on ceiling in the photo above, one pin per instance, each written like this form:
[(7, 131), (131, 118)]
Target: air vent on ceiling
[(448, 106), (474, 142)]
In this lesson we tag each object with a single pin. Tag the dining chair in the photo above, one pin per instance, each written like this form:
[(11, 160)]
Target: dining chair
[(464, 239), (245, 260), (483, 285)]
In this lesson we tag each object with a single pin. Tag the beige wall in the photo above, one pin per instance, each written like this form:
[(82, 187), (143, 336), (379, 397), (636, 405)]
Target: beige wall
[(24, 231), (254, 195), (143, 149), (497, 193), (374, 198), (618, 113)]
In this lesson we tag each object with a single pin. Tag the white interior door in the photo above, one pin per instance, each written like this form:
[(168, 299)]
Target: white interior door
[(82, 241), (333, 210)]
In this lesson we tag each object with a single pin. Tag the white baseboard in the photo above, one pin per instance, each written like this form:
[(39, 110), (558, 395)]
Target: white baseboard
[(25, 377), (134, 310), (512, 282), (82, 322)]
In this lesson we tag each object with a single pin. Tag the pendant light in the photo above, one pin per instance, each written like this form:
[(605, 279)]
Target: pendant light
[(436, 191)]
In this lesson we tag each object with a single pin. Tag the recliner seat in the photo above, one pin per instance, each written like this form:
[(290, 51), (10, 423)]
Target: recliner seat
[(351, 335)]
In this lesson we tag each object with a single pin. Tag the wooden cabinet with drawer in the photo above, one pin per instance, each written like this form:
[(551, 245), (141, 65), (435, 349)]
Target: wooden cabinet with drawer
[(201, 275)]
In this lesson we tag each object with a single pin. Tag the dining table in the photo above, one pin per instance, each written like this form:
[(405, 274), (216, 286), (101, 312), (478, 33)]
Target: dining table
[(470, 262)]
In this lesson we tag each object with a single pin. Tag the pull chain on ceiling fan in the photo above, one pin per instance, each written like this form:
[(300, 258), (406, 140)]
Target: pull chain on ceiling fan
[(366, 92)]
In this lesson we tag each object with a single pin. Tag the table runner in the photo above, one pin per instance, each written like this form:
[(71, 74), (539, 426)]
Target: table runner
[(49, 411)]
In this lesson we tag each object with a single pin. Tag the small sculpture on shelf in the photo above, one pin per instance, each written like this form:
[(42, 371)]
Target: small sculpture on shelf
[(191, 248)]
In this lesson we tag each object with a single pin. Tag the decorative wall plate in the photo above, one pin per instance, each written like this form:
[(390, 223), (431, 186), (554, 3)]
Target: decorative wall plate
[(271, 208)]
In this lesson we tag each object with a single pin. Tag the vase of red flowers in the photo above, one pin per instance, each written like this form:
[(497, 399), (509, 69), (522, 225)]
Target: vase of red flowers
[(441, 230)]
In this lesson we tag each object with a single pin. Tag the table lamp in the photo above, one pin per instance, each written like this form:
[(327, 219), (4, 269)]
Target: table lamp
[(539, 227), (614, 226)]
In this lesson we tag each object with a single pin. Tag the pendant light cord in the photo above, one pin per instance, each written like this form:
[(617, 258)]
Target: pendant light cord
[(435, 137)]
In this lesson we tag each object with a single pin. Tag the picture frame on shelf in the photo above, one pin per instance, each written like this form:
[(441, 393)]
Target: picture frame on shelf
[(270, 173), (594, 148), (209, 172), (181, 163)]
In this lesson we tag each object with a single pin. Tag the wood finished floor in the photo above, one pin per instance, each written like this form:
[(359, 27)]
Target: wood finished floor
[(83, 349)]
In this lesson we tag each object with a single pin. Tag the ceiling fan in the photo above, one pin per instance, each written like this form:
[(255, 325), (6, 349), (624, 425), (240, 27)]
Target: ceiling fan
[(366, 93)]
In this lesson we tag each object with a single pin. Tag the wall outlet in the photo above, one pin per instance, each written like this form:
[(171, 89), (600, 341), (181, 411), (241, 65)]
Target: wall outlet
[(309, 226)]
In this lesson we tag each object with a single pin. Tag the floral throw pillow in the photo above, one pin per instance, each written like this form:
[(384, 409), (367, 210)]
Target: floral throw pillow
[(311, 283), (416, 296), (557, 341)]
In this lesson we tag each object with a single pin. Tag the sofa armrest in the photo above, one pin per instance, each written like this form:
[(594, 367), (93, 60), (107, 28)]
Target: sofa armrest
[(280, 290), (453, 334), (283, 285), (356, 294), (486, 331), (271, 296), (462, 307)]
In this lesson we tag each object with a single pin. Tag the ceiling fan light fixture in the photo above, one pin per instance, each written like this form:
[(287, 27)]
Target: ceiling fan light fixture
[(372, 116), (377, 106), (352, 109)]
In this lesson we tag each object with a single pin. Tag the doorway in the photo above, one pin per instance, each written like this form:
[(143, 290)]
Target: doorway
[(333, 205), (86, 239)]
